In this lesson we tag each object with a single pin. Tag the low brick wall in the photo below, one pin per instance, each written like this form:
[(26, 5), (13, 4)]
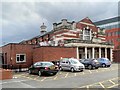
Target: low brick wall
[(5, 74), (50, 53)]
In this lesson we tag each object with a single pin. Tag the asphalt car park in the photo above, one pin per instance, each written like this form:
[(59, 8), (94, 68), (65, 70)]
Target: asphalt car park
[(98, 78)]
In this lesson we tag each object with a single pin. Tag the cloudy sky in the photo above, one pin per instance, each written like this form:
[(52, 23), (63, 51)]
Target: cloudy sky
[(22, 20)]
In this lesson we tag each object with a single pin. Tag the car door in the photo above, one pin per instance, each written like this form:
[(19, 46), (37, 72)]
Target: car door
[(62, 64), (37, 67), (67, 65), (86, 62)]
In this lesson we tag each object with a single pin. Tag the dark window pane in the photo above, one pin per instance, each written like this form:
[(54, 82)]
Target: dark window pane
[(22, 57), (18, 58)]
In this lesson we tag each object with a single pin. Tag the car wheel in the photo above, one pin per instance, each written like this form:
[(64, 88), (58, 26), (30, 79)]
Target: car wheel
[(39, 73), (72, 70), (96, 67), (29, 72), (103, 65), (90, 67)]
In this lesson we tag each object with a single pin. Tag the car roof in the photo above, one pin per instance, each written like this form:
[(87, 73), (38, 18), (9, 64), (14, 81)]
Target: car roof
[(43, 62)]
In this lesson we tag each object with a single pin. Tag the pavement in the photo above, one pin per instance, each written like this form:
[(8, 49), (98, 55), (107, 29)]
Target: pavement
[(98, 78)]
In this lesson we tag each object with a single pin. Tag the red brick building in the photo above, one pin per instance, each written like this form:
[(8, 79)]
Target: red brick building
[(16, 55), (116, 55), (80, 39), (112, 30)]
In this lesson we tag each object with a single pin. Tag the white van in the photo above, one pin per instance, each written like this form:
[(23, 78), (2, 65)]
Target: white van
[(71, 64)]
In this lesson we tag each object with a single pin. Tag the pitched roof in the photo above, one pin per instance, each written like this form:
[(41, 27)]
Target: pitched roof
[(86, 20)]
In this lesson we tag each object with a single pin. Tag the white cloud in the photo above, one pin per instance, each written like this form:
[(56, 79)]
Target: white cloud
[(60, 1), (21, 20), (20, 13)]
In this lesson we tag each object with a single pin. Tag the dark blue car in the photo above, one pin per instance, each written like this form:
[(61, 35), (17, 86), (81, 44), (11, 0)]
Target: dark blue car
[(90, 63), (104, 62)]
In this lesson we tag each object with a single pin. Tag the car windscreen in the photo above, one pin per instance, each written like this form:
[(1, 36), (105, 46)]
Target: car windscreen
[(44, 64), (74, 61), (95, 60), (104, 59)]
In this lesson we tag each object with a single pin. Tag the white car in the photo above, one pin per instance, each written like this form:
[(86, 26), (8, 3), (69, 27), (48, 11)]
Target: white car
[(71, 64)]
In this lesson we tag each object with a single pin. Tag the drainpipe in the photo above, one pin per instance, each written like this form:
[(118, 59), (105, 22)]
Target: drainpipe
[(10, 56)]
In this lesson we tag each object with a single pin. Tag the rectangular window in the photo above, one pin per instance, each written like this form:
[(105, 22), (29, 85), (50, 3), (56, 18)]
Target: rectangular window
[(20, 58), (87, 37)]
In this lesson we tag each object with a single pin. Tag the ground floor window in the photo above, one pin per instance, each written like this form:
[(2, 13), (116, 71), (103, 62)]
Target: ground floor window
[(20, 58)]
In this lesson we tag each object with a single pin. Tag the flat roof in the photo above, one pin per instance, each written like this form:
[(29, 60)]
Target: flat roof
[(106, 21)]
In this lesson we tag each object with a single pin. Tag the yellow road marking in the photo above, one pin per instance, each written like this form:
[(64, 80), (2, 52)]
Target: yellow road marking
[(55, 78), (60, 72), (111, 81), (36, 77), (89, 71), (113, 86), (87, 86), (83, 73), (43, 79), (101, 85), (75, 74), (96, 70), (66, 75)]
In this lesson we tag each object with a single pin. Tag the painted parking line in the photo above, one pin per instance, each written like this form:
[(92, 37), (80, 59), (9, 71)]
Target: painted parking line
[(90, 71), (75, 74), (83, 73), (66, 75), (114, 85), (112, 82), (104, 84), (101, 85), (55, 78), (96, 70), (61, 74), (43, 79), (36, 77)]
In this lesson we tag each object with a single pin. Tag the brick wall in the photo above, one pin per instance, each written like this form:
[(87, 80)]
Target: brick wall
[(52, 53), (116, 55), (13, 49)]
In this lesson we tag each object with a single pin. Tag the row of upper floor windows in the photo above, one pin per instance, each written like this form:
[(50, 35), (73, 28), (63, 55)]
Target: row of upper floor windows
[(112, 41), (116, 33), (110, 25)]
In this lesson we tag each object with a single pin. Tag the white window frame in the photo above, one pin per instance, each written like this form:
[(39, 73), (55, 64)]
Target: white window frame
[(85, 35), (18, 55)]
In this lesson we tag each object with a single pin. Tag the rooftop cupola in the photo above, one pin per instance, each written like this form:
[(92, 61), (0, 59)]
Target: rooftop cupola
[(43, 29)]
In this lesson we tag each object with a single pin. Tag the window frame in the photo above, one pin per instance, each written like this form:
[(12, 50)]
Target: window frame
[(18, 55)]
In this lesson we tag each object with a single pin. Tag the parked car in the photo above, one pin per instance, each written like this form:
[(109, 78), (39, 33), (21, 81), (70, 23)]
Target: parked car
[(57, 62), (104, 62), (71, 64), (90, 63), (43, 68)]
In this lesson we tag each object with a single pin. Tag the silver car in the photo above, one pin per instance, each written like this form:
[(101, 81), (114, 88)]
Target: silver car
[(71, 64)]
